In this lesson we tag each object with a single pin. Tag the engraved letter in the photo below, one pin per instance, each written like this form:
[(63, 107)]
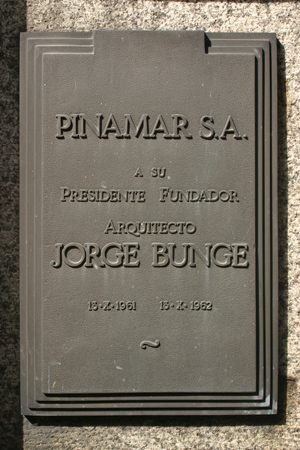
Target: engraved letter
[(206, 122), (138, 173), (240, 251), (72, 246), (180, 122), (172, 255), (64, 192), (131, 251), (57, 263), (93, 252), (227, 256), (110, 227), (230, 128), (111, 127), (120, 255), (62, 126), (160, 127), (233, 196), (160, 250), (95, 128), (164, 192), (75, 132), (143, 125), (190, 224), (205, 259)]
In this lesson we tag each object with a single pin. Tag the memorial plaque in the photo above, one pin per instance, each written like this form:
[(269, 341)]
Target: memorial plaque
[(148, 223)]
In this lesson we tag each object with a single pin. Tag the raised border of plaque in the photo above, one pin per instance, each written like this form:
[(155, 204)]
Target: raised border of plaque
[(263, 47)]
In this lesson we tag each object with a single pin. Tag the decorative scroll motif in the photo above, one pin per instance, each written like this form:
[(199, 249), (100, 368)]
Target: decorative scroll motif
[(144, 344)]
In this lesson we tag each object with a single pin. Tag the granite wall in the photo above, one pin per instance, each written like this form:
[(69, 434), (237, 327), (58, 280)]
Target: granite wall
[(278, 432)]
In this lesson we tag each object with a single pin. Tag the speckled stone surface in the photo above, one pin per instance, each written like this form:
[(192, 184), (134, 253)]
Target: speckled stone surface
[(12, 21), (281, 432)]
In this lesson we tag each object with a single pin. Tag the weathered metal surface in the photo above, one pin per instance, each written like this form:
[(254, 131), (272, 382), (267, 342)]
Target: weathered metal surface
[(149, 223)]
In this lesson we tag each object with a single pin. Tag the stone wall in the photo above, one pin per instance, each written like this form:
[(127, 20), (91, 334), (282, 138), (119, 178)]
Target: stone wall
[(279, 432)]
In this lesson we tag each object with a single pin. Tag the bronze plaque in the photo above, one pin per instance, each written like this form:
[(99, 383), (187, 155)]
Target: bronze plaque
[(148, 223)]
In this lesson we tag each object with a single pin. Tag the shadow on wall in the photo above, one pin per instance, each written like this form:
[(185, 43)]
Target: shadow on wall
[(13, 21)]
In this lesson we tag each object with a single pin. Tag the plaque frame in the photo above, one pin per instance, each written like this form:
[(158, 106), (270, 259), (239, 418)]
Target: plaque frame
[(264, 48)]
